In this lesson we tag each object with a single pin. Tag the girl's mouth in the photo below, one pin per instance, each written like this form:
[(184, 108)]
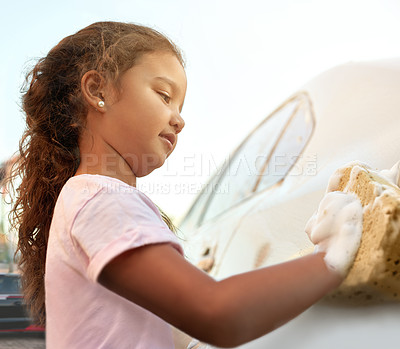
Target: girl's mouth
[(168, 142), (170, 138)]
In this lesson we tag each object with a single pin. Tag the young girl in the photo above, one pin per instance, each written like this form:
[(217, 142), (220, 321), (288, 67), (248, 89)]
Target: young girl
[(100, 264)]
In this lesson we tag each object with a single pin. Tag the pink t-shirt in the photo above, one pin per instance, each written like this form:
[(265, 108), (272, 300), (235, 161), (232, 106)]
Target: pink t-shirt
[(96, 218)]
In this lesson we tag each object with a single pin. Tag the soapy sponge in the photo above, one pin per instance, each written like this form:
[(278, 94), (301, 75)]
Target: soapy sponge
[(375, 274)]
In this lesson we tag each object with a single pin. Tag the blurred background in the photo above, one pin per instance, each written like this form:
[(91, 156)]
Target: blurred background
[(243, 58)]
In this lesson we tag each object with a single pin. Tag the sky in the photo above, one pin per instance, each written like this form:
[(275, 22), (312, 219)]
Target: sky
[(243, 59)]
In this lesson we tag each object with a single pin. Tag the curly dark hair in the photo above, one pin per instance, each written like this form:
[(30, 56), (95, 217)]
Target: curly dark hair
[(55, 117)]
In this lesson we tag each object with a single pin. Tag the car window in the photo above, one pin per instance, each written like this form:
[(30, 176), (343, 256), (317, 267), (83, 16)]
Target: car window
[(9, 284), (289, 146), (194, 215), (241, 174)]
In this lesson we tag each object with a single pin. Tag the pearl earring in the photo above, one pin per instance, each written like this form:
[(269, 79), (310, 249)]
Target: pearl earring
[(100, 104)]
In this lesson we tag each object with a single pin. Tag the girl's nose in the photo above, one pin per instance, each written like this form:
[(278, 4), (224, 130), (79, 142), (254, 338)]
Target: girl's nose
[(177, 122)]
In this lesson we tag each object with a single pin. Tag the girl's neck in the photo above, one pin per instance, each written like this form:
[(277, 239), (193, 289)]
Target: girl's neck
[(115, 168), (97, 157)]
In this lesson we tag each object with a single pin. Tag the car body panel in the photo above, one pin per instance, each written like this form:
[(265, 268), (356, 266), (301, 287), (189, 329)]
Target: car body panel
[(331, 327), (357, 112)]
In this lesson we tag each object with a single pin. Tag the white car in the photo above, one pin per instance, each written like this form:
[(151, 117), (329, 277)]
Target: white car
[(253, 211)]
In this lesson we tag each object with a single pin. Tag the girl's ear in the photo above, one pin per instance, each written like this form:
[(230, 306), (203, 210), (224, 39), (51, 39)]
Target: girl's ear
[(93, 86)]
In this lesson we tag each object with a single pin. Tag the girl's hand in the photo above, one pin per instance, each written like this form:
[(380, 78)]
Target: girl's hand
[(336, 230)]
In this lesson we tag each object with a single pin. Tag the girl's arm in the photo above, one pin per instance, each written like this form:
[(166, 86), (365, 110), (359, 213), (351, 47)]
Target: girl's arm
[(224, 313)]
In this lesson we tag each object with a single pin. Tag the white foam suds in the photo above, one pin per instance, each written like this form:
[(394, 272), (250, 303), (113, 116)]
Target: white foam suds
[(392, 175), (336, 229)]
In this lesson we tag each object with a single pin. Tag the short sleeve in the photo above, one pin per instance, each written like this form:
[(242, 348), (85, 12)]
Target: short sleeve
[(113, 222)]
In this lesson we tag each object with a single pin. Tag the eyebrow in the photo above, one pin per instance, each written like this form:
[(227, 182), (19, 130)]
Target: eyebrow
[(172, 84), (167, 80)]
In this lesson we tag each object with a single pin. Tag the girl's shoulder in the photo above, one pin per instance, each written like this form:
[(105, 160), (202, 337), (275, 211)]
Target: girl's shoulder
[(91, 184), (81, 189)]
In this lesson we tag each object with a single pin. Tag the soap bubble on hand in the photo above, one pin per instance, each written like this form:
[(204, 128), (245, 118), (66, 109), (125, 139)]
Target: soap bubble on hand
[(336, 229)]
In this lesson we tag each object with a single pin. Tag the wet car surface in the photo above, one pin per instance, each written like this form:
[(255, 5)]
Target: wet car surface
[(253, 212)]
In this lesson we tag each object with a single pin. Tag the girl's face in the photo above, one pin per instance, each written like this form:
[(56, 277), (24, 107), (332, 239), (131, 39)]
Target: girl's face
[(142, 120)]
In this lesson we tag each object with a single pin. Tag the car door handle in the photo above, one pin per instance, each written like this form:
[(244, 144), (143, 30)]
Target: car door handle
[(207, 261)]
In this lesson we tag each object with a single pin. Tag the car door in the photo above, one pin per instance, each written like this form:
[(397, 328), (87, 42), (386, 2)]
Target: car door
[(264, 235), (356, 109), (213, 220)]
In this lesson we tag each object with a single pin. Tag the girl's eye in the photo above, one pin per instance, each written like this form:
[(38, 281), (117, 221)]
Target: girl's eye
[(165, 97)]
